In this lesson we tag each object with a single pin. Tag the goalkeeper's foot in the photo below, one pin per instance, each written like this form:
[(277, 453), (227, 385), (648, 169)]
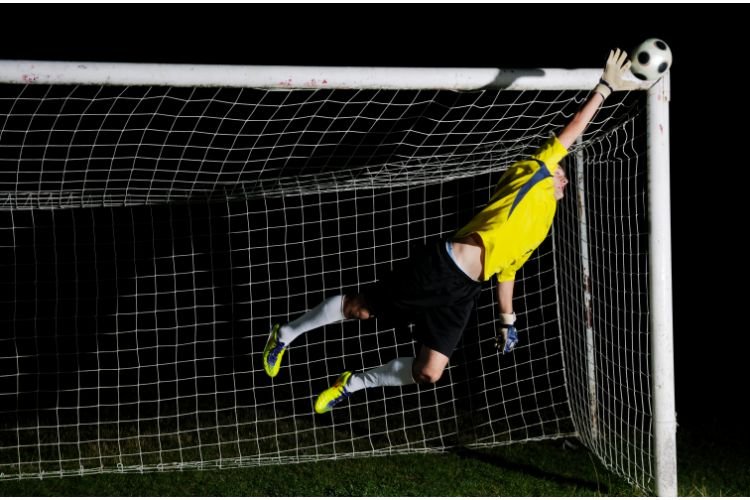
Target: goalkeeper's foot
[(334, 394), (273, 352)]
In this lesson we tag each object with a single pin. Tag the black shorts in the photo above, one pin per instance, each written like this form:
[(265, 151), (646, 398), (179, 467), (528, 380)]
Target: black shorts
[(429, 290)]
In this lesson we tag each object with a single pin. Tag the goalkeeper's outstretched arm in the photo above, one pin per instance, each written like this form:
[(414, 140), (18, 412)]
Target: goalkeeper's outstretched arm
[(611, 80)]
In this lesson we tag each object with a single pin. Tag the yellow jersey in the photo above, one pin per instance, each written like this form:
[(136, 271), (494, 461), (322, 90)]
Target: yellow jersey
[(519, 215)]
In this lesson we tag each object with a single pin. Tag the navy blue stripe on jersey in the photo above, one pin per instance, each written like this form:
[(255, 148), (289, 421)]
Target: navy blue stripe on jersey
[(540, 174)]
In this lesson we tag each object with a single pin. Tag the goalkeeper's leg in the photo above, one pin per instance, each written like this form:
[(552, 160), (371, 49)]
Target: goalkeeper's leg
[(329, 311), (396, 372), (427, 368)]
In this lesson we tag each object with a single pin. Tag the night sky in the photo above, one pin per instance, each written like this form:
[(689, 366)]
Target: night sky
[(707, 108)]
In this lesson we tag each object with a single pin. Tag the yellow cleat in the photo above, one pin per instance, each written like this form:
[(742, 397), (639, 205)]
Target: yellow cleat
[(333, 395), (273, 352)]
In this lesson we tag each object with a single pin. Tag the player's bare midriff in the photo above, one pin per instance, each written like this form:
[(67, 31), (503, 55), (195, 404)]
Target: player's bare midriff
[(469, 254)]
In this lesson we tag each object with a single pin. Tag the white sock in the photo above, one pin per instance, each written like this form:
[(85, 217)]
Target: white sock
[(327, 312), (396, 372)]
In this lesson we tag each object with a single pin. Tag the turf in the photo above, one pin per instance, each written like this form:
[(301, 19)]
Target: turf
[(711, 462)]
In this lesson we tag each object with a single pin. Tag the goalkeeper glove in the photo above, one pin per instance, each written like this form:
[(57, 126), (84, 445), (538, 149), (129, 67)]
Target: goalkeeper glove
[(612, 78), (507, 337)]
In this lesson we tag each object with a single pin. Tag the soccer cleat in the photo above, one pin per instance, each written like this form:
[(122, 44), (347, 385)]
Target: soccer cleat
[(333, 395), (273, 352)]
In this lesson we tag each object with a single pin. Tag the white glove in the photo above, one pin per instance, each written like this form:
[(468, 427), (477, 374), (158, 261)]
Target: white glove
[(612, 79)]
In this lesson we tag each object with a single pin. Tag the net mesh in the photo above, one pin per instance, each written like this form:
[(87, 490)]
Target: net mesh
[(152, 236)]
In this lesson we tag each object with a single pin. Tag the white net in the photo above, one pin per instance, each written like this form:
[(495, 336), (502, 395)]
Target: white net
[(151, 236)]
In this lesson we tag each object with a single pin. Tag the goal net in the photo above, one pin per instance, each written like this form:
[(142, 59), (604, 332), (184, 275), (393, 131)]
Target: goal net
[(152, 234)]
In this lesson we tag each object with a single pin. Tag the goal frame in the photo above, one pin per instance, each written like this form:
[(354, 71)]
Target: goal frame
[(291, 77)]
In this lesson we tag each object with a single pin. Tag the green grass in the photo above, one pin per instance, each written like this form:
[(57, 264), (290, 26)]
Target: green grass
[(535, 469), (713, 459), (709, 464)]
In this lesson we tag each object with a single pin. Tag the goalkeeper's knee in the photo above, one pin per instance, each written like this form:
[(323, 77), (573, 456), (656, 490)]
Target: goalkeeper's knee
[(426, 374), (356, 307)]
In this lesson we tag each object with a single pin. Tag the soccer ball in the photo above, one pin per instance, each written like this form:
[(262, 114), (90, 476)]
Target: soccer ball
[(651, 59)]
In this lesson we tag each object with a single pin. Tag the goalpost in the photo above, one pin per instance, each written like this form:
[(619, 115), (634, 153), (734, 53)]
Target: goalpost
[(157, 219)]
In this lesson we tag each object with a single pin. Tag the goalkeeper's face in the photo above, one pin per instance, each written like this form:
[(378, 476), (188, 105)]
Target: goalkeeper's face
[(560, 180)]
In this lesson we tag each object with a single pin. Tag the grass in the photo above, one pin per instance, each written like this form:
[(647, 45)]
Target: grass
[(710, 463), (713, 459), (536, 469)]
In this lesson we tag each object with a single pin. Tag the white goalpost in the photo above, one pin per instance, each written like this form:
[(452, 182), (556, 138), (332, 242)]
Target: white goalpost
[(158, 219)]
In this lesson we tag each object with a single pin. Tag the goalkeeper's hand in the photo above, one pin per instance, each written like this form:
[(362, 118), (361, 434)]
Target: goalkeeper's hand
[(612, 79), (507, 336)]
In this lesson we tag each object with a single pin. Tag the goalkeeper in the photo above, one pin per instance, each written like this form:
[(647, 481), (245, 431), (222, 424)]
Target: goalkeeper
[(436, 288)]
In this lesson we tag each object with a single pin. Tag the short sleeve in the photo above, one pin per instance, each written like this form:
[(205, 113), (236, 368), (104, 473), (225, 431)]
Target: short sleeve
[(551, 153), (509, 273)]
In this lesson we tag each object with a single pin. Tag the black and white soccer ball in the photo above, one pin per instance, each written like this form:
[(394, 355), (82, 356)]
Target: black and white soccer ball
[(651, 59)]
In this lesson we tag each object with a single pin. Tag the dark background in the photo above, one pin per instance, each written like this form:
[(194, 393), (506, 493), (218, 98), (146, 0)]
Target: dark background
[(707, 112)]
